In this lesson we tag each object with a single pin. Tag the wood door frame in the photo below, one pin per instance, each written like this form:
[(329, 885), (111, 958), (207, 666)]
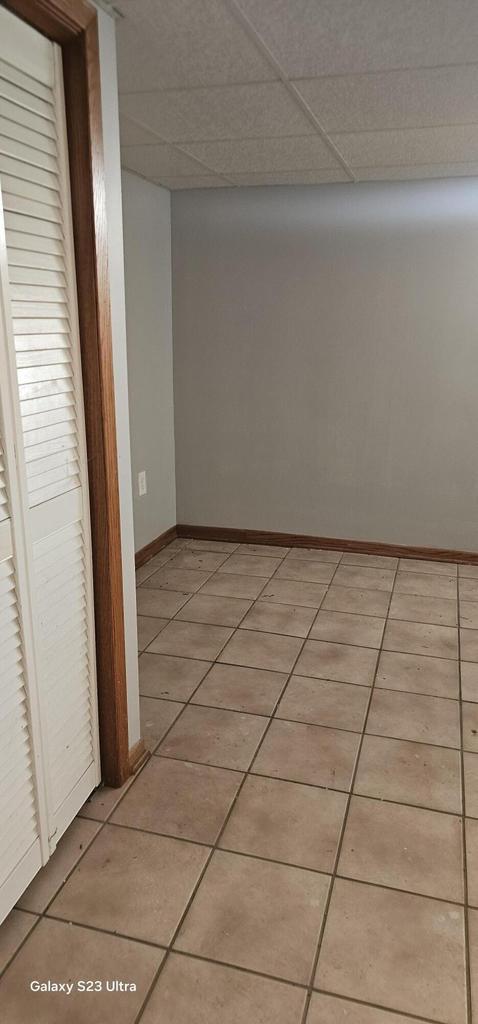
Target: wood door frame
[(73, 25)]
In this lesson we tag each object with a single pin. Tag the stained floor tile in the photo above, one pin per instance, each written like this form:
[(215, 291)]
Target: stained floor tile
[(241, 689), (274, 550), (332, 1010), (185, 581), (305, 571), (317, 555), (189, 801), (470, 764), (353, 599), (208, 561), (220, 994), (400, 951), (439, 610), (148, 628), (290, 620), (371, 561), (361, 576), (340, 662), (410, 773), (261, 650), (472, 860), (435, 567), (421, 638), (219, 611), (227, 739), (287, 822), (308, 753), (251, 565), (65, 952), (145, 882), (160, 603), (309, 595), (348, 628), (276, 913), (46, 883), (322, 702), (425, 585), (411, 716), (403, 847), (470, 726), (171, 678), (469, 614), (473, 940), (13, 931), (468, 589), (469, 681), (469, 644), (156, 717), (436, 677), (192, 640), (232, 585)]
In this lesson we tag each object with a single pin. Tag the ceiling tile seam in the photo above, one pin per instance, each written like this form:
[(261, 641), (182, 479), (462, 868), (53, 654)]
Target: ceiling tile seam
[(237, 11), (395, 129), (176, 145), (197, 88), (280, 170)]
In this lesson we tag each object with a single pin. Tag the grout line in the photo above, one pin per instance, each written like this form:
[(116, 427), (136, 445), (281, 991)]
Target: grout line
[(340, 840), (463, 820)]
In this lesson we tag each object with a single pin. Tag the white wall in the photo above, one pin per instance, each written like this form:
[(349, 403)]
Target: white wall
[(326, 360), (109, 103), (147, 237)]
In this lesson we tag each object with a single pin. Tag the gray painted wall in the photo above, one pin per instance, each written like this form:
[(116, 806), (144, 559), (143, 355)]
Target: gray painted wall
[(326, 360), (147, 249)]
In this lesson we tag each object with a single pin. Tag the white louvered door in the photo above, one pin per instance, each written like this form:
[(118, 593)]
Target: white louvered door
[(51, 465)]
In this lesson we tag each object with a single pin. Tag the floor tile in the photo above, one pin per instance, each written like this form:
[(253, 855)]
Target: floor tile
[(232, 585), (186, 581), (412, 716), (340, 662), (469, 680), (220, 995), (425, 585), (227, 739), (192, 640), (470, 763), (241, 689), (172, 678), (287, 822), (332, 1010), (208, 561), (470, 726), (290, 620), (180, 799), (156, 718), (144, 572), (309, 754), (473, 940), (469, 614), (13, 930), (403, 847), (263, 549), (305, 571), (468, 589), (65, 952), (472, 860), (421, 565), (223, 546), (251, 565), (469, 644), (261, 650), (309, 595), (148, 628), (133, 883), (352, 599), (437, 677), (103, 801), (400, 951), (371, 561), (219, 611), (439, 610), (421, 638), (322, 702), (363, 577), (317, 554), (70, 848), (348, 628), (162, 603), (468, 571), (256, 914), (410, 773)]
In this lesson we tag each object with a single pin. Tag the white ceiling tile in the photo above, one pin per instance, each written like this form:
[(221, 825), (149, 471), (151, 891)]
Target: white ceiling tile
[(394, 99), (417, 172), (200, 181), (292, 177), (242, 155), (455, 144), (184, 43), (153, 161), (133, 134), (229, 112), (319, 37)]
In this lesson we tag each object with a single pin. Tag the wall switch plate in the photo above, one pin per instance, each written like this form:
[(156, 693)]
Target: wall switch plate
[(142, 487)]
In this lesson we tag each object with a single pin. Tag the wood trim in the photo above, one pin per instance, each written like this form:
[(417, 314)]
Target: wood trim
[(73, 25), (302, 540), (154, 546), (138, 756)]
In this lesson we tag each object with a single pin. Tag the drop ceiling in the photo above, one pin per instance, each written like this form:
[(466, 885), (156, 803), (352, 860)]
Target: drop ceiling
[(267, 92)]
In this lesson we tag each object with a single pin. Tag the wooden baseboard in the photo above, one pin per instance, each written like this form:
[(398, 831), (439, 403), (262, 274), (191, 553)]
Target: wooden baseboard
[(154, 546), (301, 540), (137, 756)]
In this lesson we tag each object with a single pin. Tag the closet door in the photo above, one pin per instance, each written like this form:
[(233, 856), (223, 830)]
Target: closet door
[(52, 461)]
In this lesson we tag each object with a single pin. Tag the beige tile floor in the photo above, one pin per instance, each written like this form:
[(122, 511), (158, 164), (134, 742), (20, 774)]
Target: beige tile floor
[(295, 850)]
